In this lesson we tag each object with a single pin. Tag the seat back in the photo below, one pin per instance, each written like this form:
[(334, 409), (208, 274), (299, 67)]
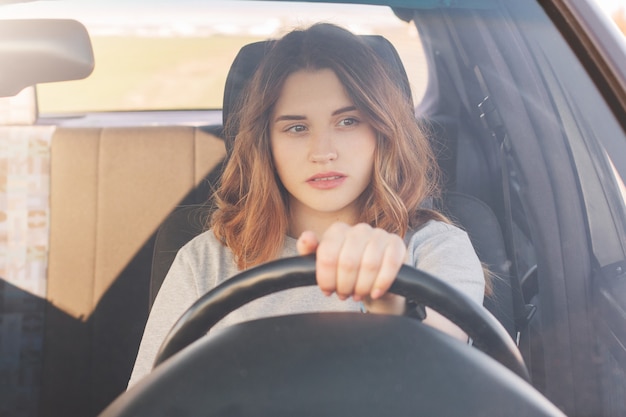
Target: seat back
[(185, 223), (111, 187), (483, 228)]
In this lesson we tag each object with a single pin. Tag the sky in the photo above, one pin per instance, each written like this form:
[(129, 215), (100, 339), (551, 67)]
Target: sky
[(191, 16), (612, 6), (616, 9), (203, 10)]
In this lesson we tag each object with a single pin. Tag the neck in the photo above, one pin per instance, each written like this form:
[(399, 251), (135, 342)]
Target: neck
[(303, 219)]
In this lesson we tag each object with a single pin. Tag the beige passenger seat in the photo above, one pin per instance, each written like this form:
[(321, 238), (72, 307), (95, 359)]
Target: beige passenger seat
[(111, 188)]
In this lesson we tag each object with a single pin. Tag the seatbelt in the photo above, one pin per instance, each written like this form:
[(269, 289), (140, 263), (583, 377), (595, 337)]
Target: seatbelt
[(477, 94), (492, 122)]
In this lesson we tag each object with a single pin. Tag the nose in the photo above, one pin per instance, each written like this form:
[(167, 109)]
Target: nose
[(322, 148)]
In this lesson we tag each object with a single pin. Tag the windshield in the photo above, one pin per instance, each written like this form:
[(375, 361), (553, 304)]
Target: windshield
[(529, 147), (175, 56)]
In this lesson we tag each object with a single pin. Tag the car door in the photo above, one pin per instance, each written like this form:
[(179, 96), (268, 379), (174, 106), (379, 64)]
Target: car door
[(538, 92)]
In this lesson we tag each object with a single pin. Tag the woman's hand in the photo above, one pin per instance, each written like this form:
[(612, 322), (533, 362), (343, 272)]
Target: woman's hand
[(359, 262)]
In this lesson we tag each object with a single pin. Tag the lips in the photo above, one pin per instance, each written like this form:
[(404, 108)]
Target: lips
[(335, 177), (326, 180)]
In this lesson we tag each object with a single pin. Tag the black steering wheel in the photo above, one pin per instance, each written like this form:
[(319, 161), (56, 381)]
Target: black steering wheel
[(485, 331), (333, 363)]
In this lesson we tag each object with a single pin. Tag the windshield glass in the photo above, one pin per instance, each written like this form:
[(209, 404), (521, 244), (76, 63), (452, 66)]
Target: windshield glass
[(175, 56), (528, 138)]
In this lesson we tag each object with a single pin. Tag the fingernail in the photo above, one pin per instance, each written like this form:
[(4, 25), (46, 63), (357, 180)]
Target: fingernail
[(356, 297), (327, 293), (376, 293), (341, 297)]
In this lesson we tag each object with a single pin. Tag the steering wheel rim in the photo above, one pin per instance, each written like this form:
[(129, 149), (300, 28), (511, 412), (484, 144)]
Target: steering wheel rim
[(487, 334)]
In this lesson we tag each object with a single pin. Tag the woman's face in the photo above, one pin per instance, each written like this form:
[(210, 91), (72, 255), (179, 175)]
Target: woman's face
[(323, 147)]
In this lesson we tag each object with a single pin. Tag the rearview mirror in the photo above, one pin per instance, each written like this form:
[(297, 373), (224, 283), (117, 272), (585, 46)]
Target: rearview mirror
[(42, 50)]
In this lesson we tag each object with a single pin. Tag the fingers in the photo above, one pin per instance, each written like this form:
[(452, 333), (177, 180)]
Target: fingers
[(306, 243), (328, 256), (373, 256), (358, 261), (394, 256)]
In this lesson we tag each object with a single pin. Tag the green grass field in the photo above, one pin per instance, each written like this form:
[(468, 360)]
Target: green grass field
[(140, 73), (134, 73)]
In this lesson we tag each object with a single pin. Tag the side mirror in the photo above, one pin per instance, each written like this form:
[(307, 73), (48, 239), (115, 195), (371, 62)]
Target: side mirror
[(42, 50)]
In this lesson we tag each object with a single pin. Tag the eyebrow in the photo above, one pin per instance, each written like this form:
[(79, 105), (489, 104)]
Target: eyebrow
[(291, 117), (344, 110)]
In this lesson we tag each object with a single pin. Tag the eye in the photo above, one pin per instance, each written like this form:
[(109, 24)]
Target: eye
[(296, 128), (349, 121)]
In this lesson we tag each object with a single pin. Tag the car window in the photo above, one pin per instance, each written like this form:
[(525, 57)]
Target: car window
[(175, 56)]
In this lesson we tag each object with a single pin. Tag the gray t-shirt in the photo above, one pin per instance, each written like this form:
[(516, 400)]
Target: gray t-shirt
[(438, 248)]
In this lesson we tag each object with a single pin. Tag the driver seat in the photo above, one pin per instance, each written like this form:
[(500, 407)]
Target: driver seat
[(469, 213)]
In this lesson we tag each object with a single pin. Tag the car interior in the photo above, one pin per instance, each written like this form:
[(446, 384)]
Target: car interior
[(124, 199), (91, 196)]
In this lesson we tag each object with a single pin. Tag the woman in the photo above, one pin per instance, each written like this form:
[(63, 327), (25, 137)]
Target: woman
[(327, 158)]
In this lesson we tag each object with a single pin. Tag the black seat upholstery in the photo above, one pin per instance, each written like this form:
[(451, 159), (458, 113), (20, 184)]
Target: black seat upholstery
[(483, 228), (468, 212), (182, 225)]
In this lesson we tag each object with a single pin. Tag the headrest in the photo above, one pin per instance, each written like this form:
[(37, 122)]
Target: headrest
[(249, 57)]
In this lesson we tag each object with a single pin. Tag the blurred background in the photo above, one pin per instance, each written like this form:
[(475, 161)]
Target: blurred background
[(175, 54), (617, 10)]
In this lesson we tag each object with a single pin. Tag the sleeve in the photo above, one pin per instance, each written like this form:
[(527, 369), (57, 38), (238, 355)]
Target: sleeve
[(177, 294), (446, 252)]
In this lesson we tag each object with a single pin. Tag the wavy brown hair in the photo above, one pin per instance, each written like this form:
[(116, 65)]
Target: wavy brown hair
[(252, 205)]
